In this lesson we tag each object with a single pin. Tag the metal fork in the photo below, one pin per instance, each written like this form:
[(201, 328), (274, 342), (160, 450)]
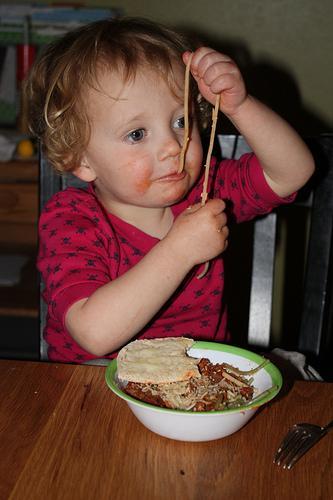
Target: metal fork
[(298, 441)]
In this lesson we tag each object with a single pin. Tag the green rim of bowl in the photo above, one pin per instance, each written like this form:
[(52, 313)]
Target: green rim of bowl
[(270, 368)]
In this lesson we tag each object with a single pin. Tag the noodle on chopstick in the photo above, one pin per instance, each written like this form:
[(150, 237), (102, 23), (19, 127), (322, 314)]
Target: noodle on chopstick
[(204, 194), (186, 115), (215, 111)]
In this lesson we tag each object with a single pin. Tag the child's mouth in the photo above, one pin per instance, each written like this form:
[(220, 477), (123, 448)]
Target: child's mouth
[(172, 177)]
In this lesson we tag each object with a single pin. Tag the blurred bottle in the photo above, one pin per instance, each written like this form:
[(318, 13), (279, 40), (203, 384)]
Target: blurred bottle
[(25, 56)]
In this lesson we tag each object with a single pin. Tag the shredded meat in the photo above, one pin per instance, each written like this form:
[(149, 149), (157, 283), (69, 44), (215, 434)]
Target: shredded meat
[(137, 391)]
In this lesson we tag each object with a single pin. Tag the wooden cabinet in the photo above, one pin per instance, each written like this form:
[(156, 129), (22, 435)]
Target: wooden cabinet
[(18, 234)]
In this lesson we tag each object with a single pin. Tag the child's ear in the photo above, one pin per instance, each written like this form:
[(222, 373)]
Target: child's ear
[(84, 171)]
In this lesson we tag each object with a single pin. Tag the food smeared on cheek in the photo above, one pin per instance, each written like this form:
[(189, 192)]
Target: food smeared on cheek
[(140, 172), (142, 184)]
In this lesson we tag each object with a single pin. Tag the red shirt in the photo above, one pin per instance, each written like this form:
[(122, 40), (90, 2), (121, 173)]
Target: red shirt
[(83, 247)]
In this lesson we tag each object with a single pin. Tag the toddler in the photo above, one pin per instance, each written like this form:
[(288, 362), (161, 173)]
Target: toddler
[(121, 258)]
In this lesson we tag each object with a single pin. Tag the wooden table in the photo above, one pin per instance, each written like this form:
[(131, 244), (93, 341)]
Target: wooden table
[(64, 435)]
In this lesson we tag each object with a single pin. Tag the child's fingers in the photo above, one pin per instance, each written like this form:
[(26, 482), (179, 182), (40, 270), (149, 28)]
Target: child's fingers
[(186, 56), (224, 230), (220, 70), (216, 206), (196, 58), (217, 74), (193, 208), (224, 83), (200, 61), (206, 57), (224, 235), (201, 228)]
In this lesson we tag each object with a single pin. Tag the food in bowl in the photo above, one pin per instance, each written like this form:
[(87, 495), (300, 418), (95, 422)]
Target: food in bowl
[(157, 360), (161, 372), (194, 426)]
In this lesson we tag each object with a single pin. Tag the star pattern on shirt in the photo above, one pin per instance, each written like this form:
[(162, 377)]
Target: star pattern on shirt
[(80, 243)]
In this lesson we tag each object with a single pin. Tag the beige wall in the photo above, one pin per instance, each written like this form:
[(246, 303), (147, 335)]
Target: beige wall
[(284, 46), (289, 43)]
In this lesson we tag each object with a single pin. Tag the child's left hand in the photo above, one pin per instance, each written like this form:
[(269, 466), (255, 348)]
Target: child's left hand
[(216, 73)]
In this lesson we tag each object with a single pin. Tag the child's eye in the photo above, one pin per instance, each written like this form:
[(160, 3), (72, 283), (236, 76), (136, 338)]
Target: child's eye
[(179, 123), (136, 135)]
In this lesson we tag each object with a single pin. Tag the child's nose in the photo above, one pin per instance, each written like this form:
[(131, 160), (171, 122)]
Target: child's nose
[(170, 146)]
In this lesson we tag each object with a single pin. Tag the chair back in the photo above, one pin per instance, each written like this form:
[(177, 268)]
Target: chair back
[(310, 312), (263, 253)]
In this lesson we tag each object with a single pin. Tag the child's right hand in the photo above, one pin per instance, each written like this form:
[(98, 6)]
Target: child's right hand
[(200, 233)]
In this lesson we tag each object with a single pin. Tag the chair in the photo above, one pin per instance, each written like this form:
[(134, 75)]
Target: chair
[(256, 265), (262, 269), (313, 324)]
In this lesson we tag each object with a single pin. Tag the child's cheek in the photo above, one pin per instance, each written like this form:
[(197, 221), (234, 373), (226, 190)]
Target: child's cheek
[(142, 185), (142, 176)]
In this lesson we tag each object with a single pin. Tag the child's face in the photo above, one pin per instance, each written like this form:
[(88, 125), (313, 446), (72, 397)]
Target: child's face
[(137, 131)]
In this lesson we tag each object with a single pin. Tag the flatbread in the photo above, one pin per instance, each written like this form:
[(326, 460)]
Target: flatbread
[(157, 361)]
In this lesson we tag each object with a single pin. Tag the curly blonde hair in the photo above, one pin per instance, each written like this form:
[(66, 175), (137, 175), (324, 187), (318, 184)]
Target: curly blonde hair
[(57, 114)]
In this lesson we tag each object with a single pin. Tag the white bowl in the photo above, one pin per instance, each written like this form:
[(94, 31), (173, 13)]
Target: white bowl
[(205, 426)]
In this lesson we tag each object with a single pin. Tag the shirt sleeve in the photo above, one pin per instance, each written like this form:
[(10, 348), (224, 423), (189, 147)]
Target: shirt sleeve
[(242, 184), (73, 250)]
